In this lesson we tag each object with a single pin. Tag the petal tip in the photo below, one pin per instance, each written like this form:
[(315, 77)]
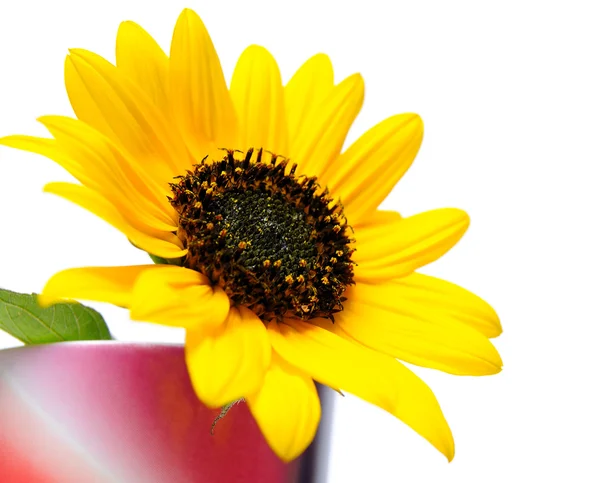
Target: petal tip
[(286, 457), (321, 63), (447, 448), (495, 326), (257, 51), (322, 57), (189, 14), (416, 122), (357, 79), (459, 218), (126, 27), (46, 300), (7, 141)]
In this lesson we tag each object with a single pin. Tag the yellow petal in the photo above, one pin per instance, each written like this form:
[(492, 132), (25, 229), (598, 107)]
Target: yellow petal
[(377, 217), (393, 250), (321, 138), (178, 297), (82, 101), (198, 94), (136, 124), (305, 92), (229, 362), (163, 244), (50, 149), (380, 318), (120, 176), (257, 94), (366, 173), (100, 284), (92, 175), (420, 291), (144, 62), (286, 408), (97, 177), (374, 377)]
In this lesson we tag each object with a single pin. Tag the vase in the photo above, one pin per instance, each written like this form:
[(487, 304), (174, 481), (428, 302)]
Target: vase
[(96, 412)]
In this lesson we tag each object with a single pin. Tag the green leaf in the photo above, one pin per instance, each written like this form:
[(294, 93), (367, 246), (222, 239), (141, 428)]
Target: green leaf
[(166, 261), (23, 318)]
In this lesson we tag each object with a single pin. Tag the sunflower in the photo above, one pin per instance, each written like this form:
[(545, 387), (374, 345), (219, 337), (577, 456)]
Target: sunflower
[(270, 248)]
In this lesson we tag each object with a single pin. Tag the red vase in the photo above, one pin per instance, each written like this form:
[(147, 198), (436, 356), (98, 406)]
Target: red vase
[(87, 412)]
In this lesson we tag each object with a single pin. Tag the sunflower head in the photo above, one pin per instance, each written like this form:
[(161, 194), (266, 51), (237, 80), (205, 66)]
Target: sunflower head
[(276, 243)]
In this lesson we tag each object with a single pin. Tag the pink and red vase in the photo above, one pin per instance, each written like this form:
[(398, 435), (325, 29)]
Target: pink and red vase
[(100, 412)]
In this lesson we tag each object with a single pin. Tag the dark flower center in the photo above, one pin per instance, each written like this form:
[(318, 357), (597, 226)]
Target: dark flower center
[(269, 227), (276, 243)]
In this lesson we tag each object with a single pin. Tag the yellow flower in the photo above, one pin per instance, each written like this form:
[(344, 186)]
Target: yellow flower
[(276, 259)]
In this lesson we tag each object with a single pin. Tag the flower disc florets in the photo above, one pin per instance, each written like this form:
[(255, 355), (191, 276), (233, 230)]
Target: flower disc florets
[(276, 243)]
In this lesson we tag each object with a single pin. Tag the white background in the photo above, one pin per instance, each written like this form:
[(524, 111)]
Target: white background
[(510, 95)]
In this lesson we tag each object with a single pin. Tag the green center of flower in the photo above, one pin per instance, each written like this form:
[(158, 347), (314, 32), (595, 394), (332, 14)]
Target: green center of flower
[(276, 243), (267, 226)]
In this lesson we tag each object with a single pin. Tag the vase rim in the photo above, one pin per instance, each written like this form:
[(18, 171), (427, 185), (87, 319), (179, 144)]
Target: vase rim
[(121, 346)]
